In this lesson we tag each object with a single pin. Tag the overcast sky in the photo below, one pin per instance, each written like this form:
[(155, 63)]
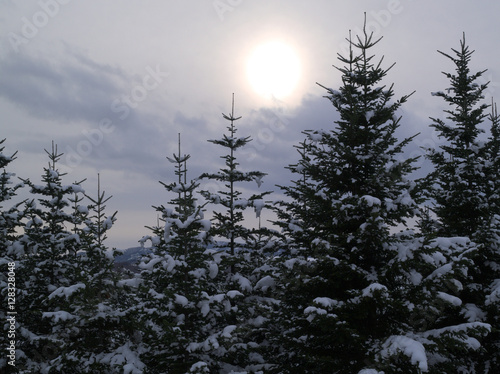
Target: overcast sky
[(114, 82)]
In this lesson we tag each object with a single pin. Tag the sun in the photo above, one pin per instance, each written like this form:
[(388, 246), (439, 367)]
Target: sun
[(273, 69)]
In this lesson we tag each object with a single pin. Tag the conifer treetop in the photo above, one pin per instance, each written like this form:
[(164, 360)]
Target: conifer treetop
[(464, 95), (5, 160)]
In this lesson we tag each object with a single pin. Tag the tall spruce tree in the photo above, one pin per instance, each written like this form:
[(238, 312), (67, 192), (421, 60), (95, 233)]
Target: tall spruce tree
[(228, 224), (48, 268), (459, 175), (338, 297), (464, 188), (486, 268), (183, 308), (101, 336), (246, 251), (10, 217), (10, 221)]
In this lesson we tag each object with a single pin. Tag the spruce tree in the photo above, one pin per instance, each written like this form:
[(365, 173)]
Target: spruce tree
[(183, 309), (352, 189), (458, 178), (48, 268), (464, 188), (102, 335), (10, 217), (10, 222), (228, 223), (486, 267), (246, 251)]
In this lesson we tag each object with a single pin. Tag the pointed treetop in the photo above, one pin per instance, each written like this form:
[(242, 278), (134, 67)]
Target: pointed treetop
[(231, 117), (54, 157)]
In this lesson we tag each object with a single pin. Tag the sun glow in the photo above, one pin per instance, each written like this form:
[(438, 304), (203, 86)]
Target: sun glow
[(273, 70)]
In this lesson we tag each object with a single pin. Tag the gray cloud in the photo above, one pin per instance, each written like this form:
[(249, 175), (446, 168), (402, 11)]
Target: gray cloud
[(69, 87), (71, 77)]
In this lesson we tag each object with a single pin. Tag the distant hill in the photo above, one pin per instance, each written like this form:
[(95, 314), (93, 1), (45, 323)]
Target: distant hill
[(129, 258)]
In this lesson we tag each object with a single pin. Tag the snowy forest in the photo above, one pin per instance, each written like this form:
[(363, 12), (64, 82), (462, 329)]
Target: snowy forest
[(364, 269)]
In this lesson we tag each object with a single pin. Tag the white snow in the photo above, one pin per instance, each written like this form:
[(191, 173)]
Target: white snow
[(125, 356), (473, 313), (166, 231), (107, 224), (326, 302), (181, 300), (294, 228), (257, 321), (245, 284), (213, 270), (232, 294), (321, 243), (226, 333), (205, 224), (258, 205), (441, 271), (242, 203), (370, 200), (494, 295), (132, 282), (258, 180), (204, 307), (150, 265), (464, 327), (449, 298), (265, 283), (312, 310), (82, 209), (58, 316), (66, 291), (74, 237), (316, 136), (199, 367), (415, 277), (411, 348), (368, 291), (77, 188), (453, 242)]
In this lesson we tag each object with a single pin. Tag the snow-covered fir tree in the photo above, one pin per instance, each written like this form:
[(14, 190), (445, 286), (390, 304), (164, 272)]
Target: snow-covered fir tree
[(339, 303), (101, 335), (244, 267), (459, 172), (10, 217), (491, 238), (464, 189), (228, 223), (10, 220), (47, 267), (184, 310)]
